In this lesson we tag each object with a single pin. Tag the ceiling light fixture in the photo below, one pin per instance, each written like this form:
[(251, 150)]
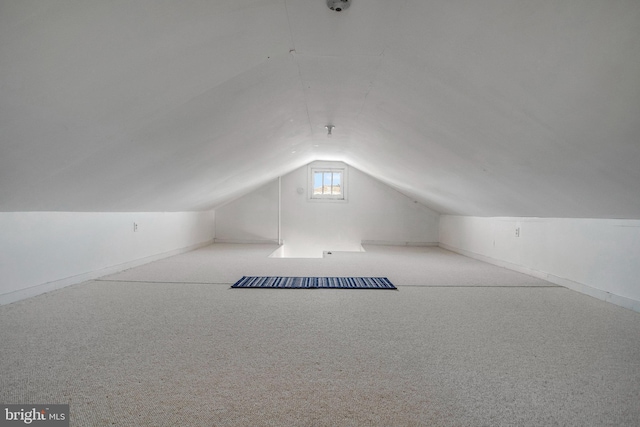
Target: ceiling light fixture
[(329, 129), (338, 5)]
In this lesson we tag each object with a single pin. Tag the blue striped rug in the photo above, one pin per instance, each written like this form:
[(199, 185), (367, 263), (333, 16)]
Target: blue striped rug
[(314, 282)]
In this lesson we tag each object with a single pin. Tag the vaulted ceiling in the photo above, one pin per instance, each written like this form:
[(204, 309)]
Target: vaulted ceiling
[(488, 108)]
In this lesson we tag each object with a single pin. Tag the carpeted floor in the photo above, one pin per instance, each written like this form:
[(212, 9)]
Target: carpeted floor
[(461, 343)]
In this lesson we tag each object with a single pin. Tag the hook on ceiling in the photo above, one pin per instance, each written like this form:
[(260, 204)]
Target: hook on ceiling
[(338, 5), (329, 129)]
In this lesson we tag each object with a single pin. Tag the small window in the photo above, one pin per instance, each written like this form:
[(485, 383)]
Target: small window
[(327, 184)]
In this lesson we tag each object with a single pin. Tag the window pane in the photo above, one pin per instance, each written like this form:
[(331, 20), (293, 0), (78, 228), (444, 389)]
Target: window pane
[(327, 184), (336, 188), (317, 183), (326, 189)]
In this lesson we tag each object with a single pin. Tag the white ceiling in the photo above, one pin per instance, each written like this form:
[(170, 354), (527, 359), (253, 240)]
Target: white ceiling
[(488, 108)]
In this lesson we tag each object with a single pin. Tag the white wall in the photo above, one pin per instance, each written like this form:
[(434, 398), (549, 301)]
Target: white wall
[(42, 251), (373, 213), (599, 257), (251, 219)]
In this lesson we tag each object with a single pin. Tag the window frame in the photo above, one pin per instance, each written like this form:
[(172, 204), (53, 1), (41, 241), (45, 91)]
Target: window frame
[(313, 169)]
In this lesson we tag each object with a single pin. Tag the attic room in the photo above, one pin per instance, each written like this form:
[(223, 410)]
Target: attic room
[(481, 156)]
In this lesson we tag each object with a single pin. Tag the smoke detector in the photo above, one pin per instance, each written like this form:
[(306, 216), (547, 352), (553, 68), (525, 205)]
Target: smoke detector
[(338, 5)]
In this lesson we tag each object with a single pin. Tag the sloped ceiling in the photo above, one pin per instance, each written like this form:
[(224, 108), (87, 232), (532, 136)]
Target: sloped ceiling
[(488, 108)]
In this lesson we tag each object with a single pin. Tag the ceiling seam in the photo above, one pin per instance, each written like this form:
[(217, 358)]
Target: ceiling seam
[(304, 92), (381, 57), (286, 10), (292, 51), (375, 77), (353, 55)]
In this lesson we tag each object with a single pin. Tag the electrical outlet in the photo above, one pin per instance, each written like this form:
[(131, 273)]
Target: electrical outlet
[(135, 227), (517, 231)]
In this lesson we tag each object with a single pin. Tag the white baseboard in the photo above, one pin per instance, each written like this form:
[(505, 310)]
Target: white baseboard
[(247, 241), (397, 243), (621, 301), (33, 291)]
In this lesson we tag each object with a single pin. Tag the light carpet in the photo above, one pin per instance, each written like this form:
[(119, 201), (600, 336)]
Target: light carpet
[(151, 353)]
